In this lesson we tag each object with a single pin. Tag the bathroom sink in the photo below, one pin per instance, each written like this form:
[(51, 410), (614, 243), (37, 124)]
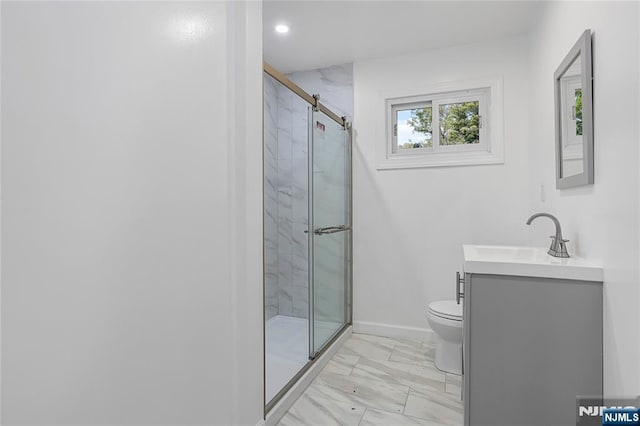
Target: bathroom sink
[(528, 262)]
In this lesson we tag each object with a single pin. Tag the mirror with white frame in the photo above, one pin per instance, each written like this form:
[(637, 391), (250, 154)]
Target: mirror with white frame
[(574, 116)]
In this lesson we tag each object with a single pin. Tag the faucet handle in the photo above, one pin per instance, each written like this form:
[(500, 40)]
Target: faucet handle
[(558, 248)]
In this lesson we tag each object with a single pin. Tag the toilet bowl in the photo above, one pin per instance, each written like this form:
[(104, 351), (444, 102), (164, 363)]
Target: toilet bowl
[(445, 319)]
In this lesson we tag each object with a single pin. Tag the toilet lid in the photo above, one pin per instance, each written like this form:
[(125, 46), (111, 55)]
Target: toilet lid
[(447, 309)]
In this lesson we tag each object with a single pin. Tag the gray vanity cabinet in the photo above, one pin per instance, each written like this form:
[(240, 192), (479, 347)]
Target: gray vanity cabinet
[(531, 345)]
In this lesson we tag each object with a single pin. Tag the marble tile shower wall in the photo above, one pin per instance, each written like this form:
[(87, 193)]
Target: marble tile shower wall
[(271, 196), (293, 137), (286, 182), (334, 84)]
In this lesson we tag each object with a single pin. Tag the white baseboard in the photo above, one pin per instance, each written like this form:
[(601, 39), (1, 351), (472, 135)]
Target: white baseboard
[(280, 409), (394, 331), (260, 423)]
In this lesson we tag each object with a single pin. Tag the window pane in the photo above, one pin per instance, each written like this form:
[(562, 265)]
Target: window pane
[(459, 123), (414, 128), (578, 111)]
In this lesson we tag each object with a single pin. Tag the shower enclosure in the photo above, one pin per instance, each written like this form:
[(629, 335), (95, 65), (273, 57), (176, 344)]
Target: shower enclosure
[(307, 230)]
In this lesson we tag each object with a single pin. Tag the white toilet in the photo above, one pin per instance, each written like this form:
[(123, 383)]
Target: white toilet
[(445, 319)]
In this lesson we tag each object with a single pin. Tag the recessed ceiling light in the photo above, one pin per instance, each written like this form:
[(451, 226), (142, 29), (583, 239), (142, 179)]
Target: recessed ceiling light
[(282, 28)]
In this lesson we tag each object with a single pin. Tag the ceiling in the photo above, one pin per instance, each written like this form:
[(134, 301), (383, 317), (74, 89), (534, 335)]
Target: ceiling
[(324, 33)]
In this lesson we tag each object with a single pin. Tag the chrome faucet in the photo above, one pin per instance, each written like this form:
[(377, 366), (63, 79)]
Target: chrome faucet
[(558, 247)]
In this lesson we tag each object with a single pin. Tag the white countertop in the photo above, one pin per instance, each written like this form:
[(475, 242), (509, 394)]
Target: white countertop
[(527, 262)]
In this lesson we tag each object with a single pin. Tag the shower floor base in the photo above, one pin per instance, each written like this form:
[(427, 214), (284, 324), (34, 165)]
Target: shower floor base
[(287, 348)]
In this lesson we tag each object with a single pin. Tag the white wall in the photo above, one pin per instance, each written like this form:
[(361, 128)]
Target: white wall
[(244, 116), (600, 220), (409, 225), (131, 228)]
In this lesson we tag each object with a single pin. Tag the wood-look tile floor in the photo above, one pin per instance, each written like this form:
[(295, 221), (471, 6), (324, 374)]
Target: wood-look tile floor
[(380, 381)]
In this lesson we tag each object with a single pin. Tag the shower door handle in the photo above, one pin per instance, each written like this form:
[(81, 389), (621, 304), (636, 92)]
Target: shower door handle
[(331, 229)]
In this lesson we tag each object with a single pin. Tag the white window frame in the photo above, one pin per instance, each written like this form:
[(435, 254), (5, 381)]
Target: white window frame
[(434, 102), (490, 149)]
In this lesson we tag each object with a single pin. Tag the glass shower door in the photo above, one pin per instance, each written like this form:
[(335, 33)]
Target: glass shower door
[(330, 221)]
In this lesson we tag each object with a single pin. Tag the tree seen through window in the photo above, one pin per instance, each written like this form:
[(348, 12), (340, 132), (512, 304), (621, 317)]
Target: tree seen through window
[(458, 123)]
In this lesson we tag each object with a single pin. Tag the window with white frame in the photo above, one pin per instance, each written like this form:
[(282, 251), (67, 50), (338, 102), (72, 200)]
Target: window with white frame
[(445, 128)]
